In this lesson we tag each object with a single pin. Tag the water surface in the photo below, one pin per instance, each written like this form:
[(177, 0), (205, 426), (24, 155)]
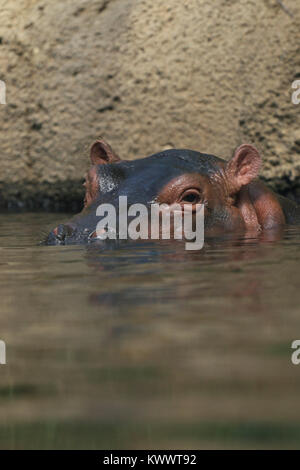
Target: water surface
[(148, 346)]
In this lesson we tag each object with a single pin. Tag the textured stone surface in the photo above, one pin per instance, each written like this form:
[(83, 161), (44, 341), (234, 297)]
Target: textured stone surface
[(146, 75)]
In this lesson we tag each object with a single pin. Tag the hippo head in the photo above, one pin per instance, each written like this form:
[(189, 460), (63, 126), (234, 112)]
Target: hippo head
[(184, 177)]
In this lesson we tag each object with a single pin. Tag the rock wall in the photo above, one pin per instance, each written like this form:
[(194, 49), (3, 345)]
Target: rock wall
[(147, 75)]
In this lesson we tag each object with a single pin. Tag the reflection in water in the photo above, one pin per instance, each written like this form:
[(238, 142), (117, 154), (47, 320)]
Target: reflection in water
[(148, 345)]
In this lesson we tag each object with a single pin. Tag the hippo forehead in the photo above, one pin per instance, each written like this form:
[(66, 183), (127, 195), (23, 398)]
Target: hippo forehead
[(144, 178)]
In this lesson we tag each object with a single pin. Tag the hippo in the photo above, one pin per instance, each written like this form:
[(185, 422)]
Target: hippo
[(233, 196)]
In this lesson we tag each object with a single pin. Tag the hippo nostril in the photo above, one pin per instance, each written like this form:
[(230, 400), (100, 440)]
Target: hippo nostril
[(62, 231), (62, 234)]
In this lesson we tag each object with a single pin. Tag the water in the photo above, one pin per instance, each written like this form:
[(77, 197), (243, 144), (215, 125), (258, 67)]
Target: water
[(148, 346)]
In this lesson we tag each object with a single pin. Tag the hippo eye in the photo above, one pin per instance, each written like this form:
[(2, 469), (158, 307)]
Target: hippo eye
[(191, 196)]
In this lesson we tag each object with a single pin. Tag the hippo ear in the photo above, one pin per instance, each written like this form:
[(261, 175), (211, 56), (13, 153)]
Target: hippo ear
[(102, 153), (243, 167)]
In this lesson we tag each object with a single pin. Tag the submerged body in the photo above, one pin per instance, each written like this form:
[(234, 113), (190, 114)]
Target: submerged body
[(234, 199)]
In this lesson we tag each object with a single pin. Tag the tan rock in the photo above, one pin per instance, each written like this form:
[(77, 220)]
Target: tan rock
[(146, 75)]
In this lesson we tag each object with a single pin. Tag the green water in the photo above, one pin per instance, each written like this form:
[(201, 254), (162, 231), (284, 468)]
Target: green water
[(148, 346)]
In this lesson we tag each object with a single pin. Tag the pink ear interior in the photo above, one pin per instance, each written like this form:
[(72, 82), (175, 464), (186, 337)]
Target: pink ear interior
[(243, 167), (102, 153)]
